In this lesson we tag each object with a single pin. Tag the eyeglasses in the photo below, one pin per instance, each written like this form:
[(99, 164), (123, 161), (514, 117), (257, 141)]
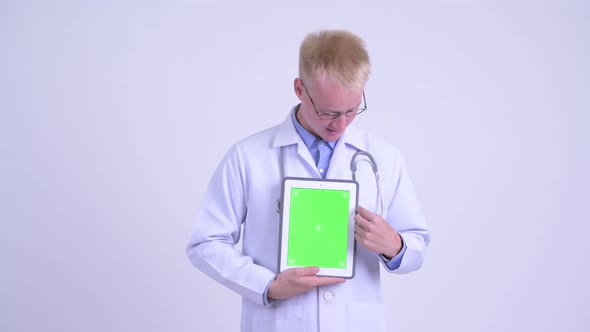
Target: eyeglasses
[(336, 115)]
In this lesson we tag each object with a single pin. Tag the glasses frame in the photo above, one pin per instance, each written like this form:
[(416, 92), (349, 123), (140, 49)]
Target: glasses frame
[(336, 115)]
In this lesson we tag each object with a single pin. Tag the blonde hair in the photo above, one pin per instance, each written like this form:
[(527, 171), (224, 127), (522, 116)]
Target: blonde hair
[(339, 54)]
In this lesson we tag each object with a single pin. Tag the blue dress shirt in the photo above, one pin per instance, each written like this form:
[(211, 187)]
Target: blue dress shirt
[(321, 152)]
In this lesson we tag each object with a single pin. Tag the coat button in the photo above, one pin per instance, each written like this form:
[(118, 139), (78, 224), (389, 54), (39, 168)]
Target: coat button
[(327, 295)]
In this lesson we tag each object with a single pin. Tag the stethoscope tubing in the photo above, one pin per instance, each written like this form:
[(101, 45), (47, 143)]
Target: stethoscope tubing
[(353, 167)]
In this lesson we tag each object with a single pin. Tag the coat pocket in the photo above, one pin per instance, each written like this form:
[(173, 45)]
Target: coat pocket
[(284, 318), (363, 317)]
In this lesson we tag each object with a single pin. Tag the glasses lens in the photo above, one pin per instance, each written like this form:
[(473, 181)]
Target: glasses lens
[(335, 115)]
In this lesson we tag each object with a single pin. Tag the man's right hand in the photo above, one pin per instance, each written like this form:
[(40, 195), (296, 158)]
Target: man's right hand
[(298, 280)]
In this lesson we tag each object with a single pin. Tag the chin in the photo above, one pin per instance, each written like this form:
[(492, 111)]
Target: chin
[(332, 138)]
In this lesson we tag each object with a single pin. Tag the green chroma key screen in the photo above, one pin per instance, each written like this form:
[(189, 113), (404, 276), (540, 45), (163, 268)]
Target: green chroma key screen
[(318, 228)]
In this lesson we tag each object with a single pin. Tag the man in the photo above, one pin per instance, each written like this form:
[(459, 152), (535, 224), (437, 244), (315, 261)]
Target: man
[(315, 140)]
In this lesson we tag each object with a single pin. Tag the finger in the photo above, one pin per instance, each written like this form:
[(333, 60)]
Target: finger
[(366, 242), (361, 210), (365, 213), (358, 219), (365, 233), (362, 234), (358, 238), (359, 229), (306, 271), (324, 281), (364, 225)]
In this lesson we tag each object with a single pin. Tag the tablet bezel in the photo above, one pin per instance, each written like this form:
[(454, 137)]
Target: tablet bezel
[(331, 184)]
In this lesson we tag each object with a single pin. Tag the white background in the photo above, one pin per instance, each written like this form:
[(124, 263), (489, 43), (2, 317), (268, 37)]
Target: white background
[(114, 115)]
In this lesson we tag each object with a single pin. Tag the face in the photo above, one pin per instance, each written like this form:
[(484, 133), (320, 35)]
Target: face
[(328, 96)]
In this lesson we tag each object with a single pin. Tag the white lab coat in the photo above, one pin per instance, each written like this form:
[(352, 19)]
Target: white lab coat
[(243, 191)]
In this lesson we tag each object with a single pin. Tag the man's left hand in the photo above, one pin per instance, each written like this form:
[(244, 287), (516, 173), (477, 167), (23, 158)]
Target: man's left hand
[(375, 234)]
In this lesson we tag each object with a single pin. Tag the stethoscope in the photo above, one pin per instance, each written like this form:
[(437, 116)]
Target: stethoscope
[(353, 166), (373, 163)]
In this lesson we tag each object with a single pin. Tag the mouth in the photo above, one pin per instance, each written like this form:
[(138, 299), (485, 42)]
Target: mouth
[(333, 132)]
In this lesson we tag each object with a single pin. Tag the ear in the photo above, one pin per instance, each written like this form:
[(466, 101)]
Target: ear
[(298, 87)]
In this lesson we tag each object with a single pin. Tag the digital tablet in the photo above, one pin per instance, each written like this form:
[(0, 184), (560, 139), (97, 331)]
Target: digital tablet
[(317, 225)]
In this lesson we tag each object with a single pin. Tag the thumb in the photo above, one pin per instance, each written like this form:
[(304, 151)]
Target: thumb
[(309, 271)]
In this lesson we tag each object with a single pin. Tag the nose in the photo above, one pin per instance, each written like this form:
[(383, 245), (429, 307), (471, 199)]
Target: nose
[(341, 122)]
